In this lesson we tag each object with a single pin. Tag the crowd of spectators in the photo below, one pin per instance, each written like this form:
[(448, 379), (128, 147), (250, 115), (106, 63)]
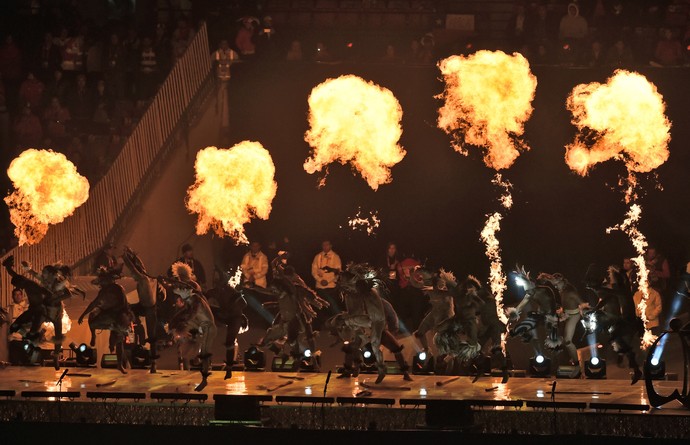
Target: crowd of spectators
[(80, 87), (82, 94), (589, 33), (595, 33)]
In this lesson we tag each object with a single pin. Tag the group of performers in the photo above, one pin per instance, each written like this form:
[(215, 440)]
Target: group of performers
[(463, 316)]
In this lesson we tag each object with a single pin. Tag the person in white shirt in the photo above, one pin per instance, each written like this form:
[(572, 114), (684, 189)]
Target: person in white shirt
[(255, 266), (325, 269)]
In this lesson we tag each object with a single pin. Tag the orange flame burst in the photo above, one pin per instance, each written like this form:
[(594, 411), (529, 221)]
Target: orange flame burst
[(626, 115), (352, 120), (232, 186), (368, 223), (623, 119), (488, 98), (48, 189)]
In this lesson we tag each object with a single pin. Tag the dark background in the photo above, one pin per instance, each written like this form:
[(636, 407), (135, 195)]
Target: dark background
[(436, 205)]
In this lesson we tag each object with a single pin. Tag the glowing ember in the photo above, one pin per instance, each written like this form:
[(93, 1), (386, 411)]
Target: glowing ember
[(48, 189), (622, 119), (352, 120), (625, 118), (232, 186), (488, 98), (368, 223)]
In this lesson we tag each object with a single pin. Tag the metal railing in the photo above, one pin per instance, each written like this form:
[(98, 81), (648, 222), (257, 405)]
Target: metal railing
[(161, 128)]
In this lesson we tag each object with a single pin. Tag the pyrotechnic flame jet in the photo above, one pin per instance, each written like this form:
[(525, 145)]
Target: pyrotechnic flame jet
[(487, 100), (48, 189), (232, 187), (357, 122), (623, 119)]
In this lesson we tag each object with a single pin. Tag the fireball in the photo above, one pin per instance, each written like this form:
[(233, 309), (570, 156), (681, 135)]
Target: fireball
[(357, 122), (48, 189), (487, 100), (232, 187), (622, 119)]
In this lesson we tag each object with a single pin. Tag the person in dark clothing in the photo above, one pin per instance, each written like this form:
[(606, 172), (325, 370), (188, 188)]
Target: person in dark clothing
[(197, 269), (105, 259)]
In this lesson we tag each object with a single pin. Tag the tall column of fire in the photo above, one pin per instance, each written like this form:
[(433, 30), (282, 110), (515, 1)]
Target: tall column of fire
[(622, 119), (487, 100)]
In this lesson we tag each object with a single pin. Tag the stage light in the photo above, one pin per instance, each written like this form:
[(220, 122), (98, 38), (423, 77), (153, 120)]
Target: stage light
[(539, 366), (141, 357), (23, 352), (367, 354), (254, 359), (423, 363), (656, 369), (309, 361), (595, 368), (86, 355)]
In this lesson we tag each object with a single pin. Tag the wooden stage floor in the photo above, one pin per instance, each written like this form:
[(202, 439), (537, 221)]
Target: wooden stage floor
[(167, 393)]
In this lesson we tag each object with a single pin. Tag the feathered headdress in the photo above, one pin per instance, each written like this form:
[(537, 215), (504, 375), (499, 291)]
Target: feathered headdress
[(448, 277), (182, 272)]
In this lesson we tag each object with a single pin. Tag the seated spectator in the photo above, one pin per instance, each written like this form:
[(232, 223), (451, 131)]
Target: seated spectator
[(266, 41), (594, 57), (56, 117), (94, 60), (516, 24), (322, 53), (181, 38), (427, 52), (31, 91), (414, 56), (573, 25), (73, 55), (10, 61), (28, 131), (294, 54), (49, 56), (58, 87), (669, 51), (244, 40), (80, 105), (540, 25), (391, 55), (619, 55), (148, 70)]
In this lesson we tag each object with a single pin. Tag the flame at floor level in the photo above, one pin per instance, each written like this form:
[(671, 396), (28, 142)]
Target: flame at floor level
[(232, 187), (48, 189), (487, 100), (357, 122)]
